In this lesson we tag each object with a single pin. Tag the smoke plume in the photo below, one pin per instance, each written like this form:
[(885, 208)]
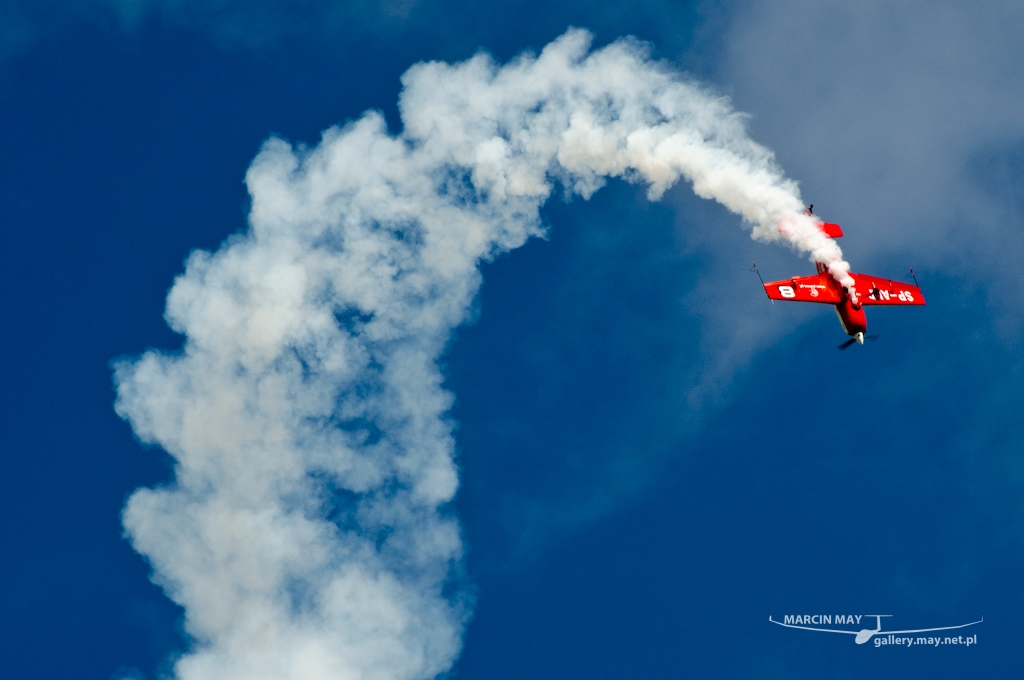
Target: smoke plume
[(308, 532)]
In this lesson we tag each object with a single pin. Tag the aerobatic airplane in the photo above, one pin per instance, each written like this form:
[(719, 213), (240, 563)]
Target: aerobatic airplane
[(822, 287)]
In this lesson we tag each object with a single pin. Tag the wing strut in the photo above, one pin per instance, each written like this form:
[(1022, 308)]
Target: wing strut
[(914, 276), (758, 271)]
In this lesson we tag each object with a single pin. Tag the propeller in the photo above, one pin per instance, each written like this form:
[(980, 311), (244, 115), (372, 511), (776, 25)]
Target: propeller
[(849, 342)]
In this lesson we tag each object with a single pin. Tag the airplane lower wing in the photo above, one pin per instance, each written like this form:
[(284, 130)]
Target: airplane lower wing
[(816, 288), (877, 291)]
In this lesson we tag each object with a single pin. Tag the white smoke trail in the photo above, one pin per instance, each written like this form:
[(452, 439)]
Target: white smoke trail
[(306, 533)]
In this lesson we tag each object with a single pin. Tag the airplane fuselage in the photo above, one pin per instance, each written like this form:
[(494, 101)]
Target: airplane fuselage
[(851, 316)]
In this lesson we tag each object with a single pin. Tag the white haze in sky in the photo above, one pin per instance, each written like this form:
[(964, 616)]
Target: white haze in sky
[(307, 533)]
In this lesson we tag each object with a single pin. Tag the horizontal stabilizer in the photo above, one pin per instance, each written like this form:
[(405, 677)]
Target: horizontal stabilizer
[(831, 230)]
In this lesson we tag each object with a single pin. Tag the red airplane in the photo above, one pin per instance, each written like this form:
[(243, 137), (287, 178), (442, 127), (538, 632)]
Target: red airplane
[(823, 287)]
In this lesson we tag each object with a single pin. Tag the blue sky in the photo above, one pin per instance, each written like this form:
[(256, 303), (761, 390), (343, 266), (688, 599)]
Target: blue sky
[(652, 458)]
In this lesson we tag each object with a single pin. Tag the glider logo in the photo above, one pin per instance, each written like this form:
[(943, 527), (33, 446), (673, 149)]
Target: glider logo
[(882, 637), (787, 292)]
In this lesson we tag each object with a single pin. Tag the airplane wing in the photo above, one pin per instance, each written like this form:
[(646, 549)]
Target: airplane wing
[(928, 630), (820, 630), (816, 288), (877, 291)]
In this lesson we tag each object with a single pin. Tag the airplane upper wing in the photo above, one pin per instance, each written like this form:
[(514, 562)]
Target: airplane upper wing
[(877, 291), (816, 288)]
